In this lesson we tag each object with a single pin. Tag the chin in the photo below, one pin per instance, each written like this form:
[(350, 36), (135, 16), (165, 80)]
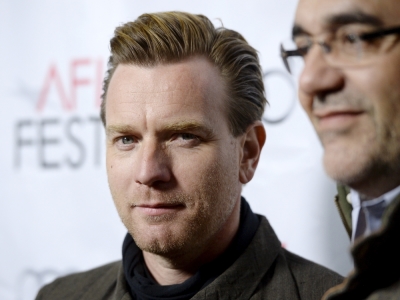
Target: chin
[(346, 169), (160, 240), (163, 247)]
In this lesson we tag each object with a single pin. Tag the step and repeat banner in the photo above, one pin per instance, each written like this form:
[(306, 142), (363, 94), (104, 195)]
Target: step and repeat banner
[(56, 212)]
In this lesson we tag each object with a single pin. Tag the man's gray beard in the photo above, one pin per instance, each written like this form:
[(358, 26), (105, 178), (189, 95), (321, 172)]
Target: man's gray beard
[(385, 162)]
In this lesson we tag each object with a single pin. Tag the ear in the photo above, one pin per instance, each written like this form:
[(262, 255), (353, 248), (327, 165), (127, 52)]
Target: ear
[(252, 142)]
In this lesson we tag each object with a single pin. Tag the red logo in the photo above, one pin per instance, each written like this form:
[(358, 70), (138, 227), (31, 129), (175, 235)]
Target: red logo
[(67, 91)]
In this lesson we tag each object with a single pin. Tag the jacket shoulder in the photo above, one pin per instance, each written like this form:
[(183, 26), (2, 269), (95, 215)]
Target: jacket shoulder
[(98, 283), (311, 278)]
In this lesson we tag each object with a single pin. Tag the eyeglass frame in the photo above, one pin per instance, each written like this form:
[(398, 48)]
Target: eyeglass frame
[(363, 37)]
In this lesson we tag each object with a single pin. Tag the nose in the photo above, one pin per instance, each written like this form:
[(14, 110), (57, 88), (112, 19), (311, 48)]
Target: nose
[(151, 165), (318, 77)]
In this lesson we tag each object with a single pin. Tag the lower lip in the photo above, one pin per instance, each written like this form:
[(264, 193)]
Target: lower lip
[(158, 211), (338, 121)]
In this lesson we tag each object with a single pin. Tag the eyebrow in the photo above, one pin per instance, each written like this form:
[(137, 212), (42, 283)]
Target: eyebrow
[(177, 127), (334, 21), (119, 128), (190, 126), (354, 17), (298, 30)]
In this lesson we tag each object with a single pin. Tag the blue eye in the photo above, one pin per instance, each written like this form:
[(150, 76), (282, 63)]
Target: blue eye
[(127, 140), (187, 136)]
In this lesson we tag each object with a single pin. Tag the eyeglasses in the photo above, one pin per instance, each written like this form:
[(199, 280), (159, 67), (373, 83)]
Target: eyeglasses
[(347, 46)]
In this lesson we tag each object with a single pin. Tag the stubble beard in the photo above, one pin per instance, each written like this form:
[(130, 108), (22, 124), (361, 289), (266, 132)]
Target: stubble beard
[(347, 166), (373, 157), (215, 199), (344, 152)]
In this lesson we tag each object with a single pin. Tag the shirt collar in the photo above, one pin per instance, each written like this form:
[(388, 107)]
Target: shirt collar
[(356, 203), (387, 197)]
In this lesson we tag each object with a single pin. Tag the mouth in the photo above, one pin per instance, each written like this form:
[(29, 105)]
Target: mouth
[(337, 119), (157, 209)]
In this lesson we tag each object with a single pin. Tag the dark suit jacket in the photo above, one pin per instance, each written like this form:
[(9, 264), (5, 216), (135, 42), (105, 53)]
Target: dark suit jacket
[(376, 273), (264, 271)]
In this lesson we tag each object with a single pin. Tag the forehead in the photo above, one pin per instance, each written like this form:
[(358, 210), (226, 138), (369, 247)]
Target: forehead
[(318, 15), (150, 96)]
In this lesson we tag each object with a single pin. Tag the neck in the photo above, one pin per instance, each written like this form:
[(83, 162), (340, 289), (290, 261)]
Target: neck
[(163, 270), (376, 187), (178, 268)]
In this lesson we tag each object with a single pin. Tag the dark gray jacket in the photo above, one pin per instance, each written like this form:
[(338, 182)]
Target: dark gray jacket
[(264, 271), (376, 273)]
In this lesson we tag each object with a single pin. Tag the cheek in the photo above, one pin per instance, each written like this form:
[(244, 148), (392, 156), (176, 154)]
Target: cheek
[(390, 99), (204, 168), (191, 168), (380, 86), (367, 80), (380, 80), (118, 177)]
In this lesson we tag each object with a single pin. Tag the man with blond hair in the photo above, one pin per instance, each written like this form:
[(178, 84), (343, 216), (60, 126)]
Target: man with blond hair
[(182, 108), (349, 86)]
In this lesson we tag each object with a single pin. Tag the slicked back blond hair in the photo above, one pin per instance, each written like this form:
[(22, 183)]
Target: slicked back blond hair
[(168, 37)]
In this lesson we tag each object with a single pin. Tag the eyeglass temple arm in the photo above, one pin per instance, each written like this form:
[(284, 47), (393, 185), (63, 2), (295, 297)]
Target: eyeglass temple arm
[(380, 33), (286, 53)]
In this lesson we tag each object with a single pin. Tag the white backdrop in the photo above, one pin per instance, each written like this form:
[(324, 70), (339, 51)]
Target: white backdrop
[(56, 213)]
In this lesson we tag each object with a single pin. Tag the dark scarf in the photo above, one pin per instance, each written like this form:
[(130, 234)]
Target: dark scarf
[(143, 287)]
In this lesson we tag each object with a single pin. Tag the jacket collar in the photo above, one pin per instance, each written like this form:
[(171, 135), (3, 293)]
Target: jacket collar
[(244, 276), (344, 207), (239, 281), (376, 259)]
